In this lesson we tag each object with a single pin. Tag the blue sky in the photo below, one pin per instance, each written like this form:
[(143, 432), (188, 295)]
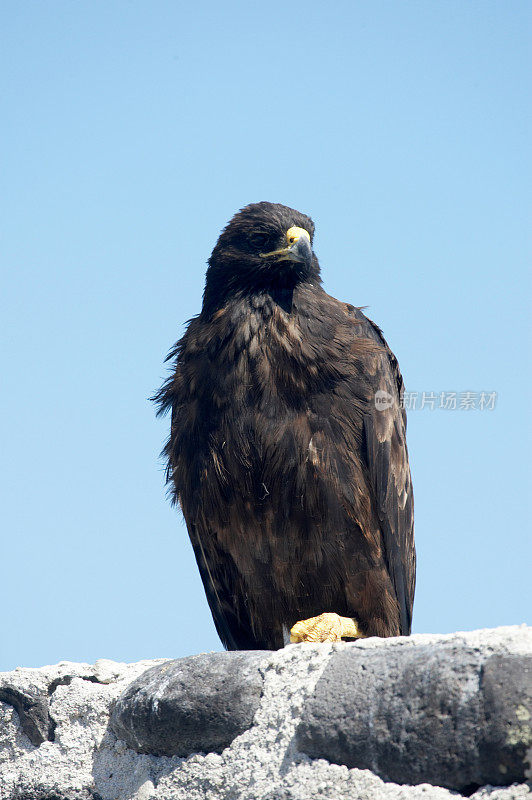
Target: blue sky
[(132, 132)]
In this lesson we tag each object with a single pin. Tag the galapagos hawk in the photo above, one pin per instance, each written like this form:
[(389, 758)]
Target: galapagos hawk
[(287, 449)]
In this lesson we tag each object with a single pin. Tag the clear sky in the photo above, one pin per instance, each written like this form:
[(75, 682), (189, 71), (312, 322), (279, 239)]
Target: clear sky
[(132, 131)]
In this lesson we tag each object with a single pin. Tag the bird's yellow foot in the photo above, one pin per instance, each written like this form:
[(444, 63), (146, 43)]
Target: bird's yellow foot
[(324, 628)]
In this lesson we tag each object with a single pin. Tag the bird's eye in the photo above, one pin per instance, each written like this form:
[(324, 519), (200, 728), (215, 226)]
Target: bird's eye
[(258, 240)]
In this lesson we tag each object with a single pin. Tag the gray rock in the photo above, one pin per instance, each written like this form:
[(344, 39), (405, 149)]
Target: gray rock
[(451, 715), (505, 741), (84, 759), (195, 704), (42, 793), (32, 709)]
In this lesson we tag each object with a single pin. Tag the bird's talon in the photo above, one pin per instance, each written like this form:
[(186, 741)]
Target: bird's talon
[(327, 627)]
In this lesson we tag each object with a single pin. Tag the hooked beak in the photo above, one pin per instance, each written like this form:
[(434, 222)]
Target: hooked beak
[(298, 247)]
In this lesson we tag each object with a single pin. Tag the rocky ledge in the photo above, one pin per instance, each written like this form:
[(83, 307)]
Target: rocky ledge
[(429, 716)]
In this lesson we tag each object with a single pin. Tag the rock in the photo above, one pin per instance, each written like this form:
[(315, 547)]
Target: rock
[(505, 739), (452, 715), (455, 682), (195, 704), (32, 710)]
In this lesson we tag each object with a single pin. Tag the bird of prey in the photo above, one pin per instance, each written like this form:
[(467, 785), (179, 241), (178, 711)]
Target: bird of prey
[(287, 449)]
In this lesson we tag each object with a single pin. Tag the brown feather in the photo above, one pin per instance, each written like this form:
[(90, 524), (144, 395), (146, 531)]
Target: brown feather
[(295, 489)]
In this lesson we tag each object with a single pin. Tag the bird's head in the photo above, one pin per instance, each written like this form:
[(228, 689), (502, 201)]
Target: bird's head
[(266, 246)]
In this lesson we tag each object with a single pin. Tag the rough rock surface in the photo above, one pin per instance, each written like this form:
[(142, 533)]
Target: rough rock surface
[(159, 714), (450, 715), (56, 741)]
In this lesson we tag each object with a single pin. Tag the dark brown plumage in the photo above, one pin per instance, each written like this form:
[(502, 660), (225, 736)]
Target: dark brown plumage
[(295, 489)]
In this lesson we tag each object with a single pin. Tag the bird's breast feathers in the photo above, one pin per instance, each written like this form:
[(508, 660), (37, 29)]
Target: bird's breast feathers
[(272, 403), (310, 349)]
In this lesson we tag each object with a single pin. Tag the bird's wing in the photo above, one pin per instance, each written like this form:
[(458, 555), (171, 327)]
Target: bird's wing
[(389, 473), (218, 574)]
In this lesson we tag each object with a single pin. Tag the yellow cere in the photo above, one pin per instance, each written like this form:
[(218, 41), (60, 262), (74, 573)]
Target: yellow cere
[(294, 233)]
